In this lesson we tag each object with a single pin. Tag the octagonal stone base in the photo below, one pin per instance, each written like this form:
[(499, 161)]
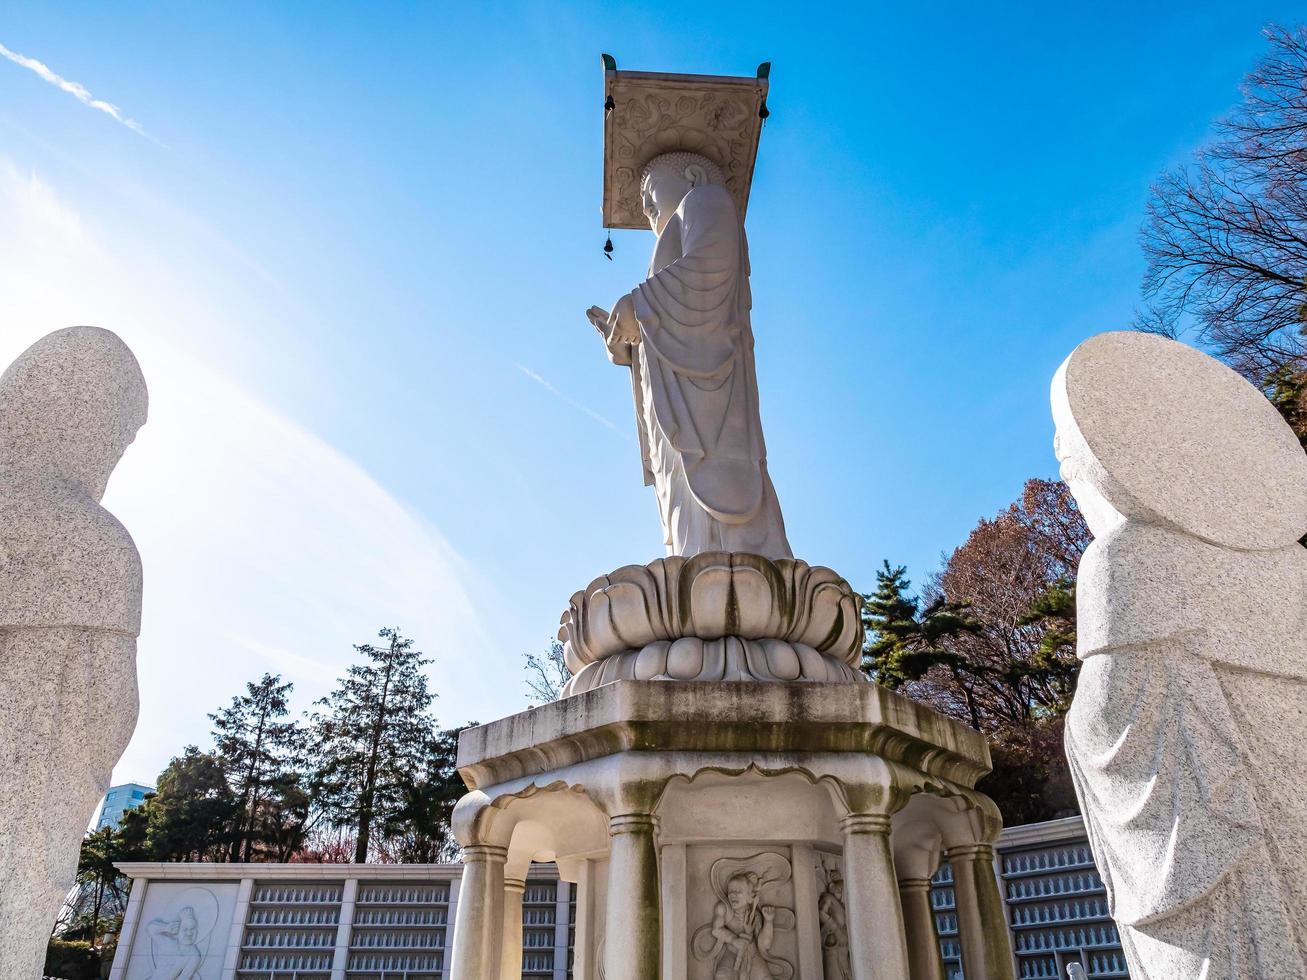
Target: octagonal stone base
[(741, 830)]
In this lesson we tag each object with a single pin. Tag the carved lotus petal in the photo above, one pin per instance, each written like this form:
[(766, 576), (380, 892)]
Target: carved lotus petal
[(810, 612)]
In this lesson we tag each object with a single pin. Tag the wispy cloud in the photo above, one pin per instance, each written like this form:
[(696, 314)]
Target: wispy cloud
[(567, 399), (76, 89), (266, 548), (296, 665)]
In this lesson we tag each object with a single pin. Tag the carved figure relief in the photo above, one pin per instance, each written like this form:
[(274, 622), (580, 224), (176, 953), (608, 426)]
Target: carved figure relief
[(833, 920), (738, 941), (179, 939)]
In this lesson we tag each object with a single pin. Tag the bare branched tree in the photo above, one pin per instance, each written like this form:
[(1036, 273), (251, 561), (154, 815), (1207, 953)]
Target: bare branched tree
[(546, 675), (1226, 239)]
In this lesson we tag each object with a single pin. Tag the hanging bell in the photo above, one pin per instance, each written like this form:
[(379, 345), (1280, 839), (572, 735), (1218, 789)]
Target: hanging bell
[(608, 248)]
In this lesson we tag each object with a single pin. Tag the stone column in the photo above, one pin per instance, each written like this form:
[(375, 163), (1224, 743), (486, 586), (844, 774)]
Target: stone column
[(924, 960), (451, 916), (232, 959), (584, 941), (122, 957), (478, 926), (344, 926), (632, 933), (876, 944), (982, 921), (807, 893), (562, 926), (676, 944), (511, 958)]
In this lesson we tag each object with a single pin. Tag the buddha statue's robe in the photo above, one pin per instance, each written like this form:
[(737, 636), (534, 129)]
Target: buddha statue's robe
[(695, 388)]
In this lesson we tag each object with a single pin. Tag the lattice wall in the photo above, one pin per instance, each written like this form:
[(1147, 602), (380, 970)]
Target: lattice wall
[(1056, 909), (291, 929)]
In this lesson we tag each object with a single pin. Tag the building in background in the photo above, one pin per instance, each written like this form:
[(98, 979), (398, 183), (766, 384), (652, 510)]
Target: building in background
[(1056, 905), (384, 922), (118, 801)]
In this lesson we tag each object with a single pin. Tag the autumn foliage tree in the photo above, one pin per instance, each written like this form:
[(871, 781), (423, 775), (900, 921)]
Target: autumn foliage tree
[(991, 642)]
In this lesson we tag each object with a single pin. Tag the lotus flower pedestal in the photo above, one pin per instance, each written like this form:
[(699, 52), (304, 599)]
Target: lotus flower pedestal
[(730, 799)]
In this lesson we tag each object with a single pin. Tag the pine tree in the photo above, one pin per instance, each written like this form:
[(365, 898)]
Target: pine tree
[(191, 814), (890, 618), (371, 736), (1055, 663), (99, 898), (255, 747), (419, 831), (904, 640)]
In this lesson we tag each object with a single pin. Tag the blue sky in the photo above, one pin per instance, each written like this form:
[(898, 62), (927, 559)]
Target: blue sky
[(352, 246)]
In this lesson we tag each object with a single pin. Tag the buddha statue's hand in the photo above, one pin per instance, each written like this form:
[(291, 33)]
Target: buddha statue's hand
[(598, 318), (623, 328)]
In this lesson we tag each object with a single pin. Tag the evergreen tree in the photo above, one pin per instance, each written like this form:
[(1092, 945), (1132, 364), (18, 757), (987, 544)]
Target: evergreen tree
[(191, 815), (1055, 660), (419, 831), (99, 897), (371, 736), (281, 822), (994, 645), (256, 747), (905, 641)]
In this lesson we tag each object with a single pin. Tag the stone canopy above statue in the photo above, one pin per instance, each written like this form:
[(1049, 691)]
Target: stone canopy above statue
[(650, 113)]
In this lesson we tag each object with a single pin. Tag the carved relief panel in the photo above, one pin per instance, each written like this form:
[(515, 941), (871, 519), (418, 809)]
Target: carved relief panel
[(832, 918), (741, 909), (183, 931)]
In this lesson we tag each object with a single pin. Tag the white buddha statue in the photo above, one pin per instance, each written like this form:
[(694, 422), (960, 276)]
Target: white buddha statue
[(1187, 737), (70, 611), (685, 334)]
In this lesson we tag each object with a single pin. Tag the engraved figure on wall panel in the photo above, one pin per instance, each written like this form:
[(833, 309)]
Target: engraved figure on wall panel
[(833, 920), (179, 939), (739, 941), (1187, 738)]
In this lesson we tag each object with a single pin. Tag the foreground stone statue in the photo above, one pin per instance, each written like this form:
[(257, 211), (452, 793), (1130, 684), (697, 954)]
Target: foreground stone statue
[(1188, 734), (731, 797), (70, 611)]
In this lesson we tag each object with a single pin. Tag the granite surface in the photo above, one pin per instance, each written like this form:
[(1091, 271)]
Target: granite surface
[(1187, 737), (70, 608)]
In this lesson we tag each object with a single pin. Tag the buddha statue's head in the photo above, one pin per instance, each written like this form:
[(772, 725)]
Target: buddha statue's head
[(667, 178)]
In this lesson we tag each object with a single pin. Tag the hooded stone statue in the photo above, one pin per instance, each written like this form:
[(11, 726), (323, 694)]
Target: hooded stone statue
[(70, 611), (686, 335), (1187, 739)]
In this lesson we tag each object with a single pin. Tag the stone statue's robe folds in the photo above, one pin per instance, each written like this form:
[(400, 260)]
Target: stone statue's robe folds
[(1190, 778), (696, 391)]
